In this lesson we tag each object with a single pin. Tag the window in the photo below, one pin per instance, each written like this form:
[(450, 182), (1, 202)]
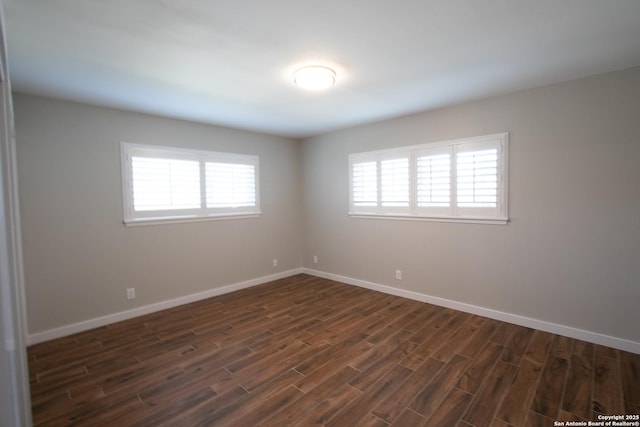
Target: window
[(173, 184), (447, 181)]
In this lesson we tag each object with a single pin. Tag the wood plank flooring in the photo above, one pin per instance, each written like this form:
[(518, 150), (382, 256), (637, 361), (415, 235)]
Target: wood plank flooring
[(306, 351)]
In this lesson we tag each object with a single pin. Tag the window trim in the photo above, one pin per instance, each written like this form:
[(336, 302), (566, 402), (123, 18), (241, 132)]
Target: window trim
[(172, 216), (457, 214)]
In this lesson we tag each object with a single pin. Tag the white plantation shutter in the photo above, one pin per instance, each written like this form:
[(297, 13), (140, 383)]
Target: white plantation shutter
[(380, 184), (433, 191), (364, 178), (452, 180), (230, 185), (166, 183), (477, 178), (394, 179)]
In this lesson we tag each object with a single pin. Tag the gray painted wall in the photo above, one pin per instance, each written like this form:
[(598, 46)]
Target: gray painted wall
[(570, 254), (80, 258)]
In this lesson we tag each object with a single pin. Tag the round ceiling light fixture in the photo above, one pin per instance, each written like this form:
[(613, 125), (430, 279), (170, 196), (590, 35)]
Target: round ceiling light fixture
[(314, 77)]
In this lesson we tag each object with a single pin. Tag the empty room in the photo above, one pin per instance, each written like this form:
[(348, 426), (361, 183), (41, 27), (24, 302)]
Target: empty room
[(340, 213)]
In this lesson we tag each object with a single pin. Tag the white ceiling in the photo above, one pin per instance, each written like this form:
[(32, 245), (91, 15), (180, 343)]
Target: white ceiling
[(229, 62)]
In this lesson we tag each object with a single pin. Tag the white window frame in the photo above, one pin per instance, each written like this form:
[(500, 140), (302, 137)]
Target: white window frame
[(202, 213), (453, 212)]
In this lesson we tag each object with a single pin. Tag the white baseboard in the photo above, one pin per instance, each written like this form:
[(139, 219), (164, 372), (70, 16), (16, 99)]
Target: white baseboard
[(568, 331), (596, 338), (97, 322)]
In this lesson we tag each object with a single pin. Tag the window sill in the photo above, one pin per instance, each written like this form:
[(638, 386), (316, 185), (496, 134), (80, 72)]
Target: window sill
[(469, 220), (182, 219)]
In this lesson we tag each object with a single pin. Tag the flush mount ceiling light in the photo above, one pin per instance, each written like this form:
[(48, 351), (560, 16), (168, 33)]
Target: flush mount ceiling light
[(314, 77)]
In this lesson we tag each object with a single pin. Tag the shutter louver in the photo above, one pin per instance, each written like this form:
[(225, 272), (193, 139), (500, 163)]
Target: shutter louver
[(477, 178), (395, 182), (230, 185), (365, 184), (161, 184), (434, 180)]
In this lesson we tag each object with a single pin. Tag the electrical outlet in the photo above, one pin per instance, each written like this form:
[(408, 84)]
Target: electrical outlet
[(398, 274), (275, 262), (315, 259), (131, 293)]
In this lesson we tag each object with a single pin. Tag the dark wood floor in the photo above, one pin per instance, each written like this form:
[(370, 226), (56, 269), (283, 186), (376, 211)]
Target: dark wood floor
[(305, 351)]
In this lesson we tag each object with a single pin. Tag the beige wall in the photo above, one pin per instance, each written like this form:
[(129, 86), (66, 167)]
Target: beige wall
[(79, 257), (571, 253)]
